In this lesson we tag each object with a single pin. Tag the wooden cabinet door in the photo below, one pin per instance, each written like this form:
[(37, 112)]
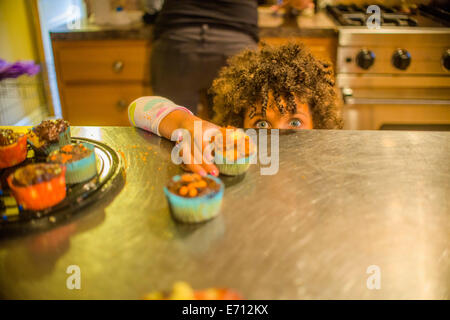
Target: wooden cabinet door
[(94, 61), (102, 104), (321, 48)]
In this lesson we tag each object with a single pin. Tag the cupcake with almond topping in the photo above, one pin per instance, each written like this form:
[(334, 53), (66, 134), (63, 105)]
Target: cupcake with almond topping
[(13, 148), (234, 154), (38, 186), (49, 135), (79, 160), (193, 198)]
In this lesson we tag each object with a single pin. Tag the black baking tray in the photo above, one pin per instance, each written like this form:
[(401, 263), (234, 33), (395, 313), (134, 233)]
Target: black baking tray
[(15, 220)]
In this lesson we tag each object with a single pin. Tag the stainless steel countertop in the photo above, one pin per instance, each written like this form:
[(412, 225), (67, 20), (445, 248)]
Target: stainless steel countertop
[(341, 202)]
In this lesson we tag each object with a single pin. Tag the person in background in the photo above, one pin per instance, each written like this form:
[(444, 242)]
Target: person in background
[(194, 38)]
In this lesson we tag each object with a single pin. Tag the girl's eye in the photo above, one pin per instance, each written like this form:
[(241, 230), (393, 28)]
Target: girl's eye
[(295, 123), (262, 124)]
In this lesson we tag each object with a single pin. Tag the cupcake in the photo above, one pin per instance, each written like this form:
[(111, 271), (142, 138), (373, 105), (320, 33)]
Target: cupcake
[(229, 156), (49, 135), (13, 148), (193, 198), (79, 160), (183, 291), (38, 186)]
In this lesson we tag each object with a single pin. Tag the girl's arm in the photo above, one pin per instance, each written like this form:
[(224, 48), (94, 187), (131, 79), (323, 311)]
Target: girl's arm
[(162, 117)]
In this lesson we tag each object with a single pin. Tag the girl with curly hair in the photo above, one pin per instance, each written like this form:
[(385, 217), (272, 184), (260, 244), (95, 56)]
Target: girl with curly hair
[(274, 87)]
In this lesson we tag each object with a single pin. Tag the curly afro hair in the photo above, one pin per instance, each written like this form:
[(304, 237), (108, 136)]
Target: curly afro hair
[(286, 71)]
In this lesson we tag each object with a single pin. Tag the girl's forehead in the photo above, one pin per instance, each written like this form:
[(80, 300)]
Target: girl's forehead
[(301, 107)]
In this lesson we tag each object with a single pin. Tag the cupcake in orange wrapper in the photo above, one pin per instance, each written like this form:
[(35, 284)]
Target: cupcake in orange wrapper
[(234, 153), (38, 186), (183, 291), (13, 148)]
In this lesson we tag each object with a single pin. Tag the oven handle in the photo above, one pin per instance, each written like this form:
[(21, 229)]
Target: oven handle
[(347, 95)]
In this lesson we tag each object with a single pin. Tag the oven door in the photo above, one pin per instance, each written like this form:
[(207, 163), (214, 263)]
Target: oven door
[(395, 103)]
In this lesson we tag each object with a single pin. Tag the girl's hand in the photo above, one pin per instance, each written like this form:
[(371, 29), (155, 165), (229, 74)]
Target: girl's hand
[(204, 163), (182, 120)]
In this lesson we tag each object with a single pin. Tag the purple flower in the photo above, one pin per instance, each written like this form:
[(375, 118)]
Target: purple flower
[(3, 66), (13, 70)]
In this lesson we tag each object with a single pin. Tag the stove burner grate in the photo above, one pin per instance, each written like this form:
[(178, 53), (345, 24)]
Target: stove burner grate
[(353, 15), (435, 12)]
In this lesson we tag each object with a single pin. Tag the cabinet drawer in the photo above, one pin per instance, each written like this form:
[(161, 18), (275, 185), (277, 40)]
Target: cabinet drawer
[(100, 105), (89, 61), (321, 48)]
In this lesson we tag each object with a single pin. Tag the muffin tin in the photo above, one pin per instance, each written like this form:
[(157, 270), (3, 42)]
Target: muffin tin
[(15, 220)]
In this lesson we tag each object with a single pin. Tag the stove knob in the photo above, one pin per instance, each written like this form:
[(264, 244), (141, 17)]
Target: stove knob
[(401, 59), (365, 59), (446, 60)]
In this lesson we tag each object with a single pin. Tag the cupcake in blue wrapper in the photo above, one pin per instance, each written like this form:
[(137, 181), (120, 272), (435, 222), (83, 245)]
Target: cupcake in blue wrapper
[(79, 160), (48, 136), (234, 154), (193, 198), (232, 167)]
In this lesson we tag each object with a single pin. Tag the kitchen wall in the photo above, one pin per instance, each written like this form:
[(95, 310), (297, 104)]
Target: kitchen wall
[(16, 35), (53, 14), (24, 97)]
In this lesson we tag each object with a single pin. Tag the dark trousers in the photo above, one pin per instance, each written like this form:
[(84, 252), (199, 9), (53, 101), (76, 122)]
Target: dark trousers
[(185, 61)]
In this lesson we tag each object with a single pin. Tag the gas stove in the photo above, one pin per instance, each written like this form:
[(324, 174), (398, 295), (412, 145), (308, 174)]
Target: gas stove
[(423, 16), (397, 74), (409, 41)]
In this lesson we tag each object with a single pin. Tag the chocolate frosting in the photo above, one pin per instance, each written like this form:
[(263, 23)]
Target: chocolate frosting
[(35, 173), (49, 130)]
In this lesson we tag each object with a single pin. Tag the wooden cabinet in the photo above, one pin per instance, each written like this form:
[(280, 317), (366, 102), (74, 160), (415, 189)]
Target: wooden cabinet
[(97, 80), (100, 104), (321, 47)]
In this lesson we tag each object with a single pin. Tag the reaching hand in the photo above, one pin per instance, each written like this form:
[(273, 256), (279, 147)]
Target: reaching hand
[(197, 139), (199, 160)]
